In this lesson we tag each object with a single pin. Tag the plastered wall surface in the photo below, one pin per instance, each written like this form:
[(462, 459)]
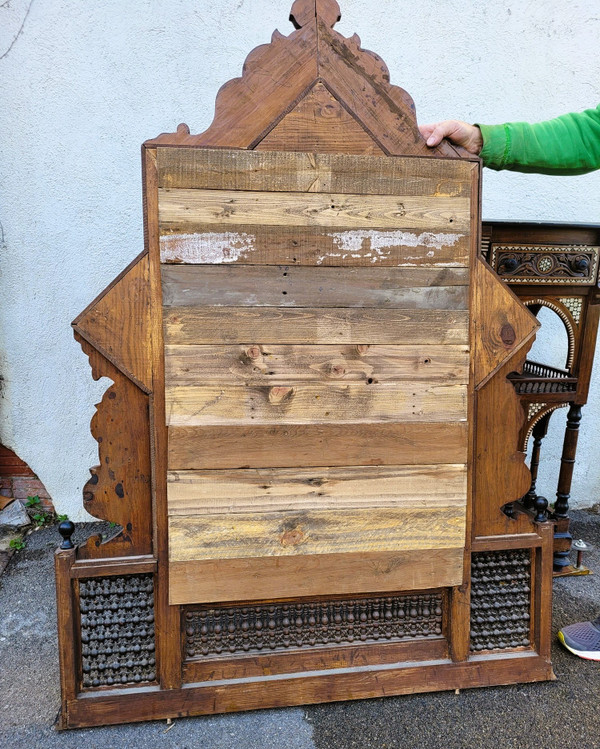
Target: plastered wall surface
[(84, 84)]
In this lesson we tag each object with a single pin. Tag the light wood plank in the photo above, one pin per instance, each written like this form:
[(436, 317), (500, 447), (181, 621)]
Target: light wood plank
[(290, 445), (192, 242), (204, 581), (285, 286), (241, 535), (288, 171), (314, 325), (232, 208), (307, 403), (296, 489), (282, 365)]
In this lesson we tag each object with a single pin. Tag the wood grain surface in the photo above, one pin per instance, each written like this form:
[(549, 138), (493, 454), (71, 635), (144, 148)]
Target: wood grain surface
[(193, 242), (183, 206), (288, 170), (289, 489), (307, 403), (198, 325), (254, 364), (287, 286), (207, 580), (289, 445), (308, 532)]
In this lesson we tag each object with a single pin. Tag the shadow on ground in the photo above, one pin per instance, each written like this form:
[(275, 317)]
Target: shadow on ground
[(562, 714)]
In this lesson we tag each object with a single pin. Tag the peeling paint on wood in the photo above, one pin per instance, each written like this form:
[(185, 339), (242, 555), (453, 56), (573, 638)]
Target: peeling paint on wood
[(358, 242), (205, 247)]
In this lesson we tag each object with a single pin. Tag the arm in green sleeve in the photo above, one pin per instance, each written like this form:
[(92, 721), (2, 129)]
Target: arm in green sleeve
[(569, 144)]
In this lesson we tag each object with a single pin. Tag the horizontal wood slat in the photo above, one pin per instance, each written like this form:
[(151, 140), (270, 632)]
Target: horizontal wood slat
[(250, 535), (204, 581), (289, 445), (192, 242), (307, 403), (229, 169), (281, 489), (254, 364), (285, 286), (314, 325), (232, 208)]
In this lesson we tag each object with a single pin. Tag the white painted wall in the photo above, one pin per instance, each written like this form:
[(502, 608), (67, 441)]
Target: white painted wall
[(85, 83)]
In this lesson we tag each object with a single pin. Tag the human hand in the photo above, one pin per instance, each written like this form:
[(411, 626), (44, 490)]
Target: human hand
[(457, 132)]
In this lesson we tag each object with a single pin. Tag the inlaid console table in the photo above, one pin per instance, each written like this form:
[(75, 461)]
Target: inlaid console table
[(553, 266), (312, 435)]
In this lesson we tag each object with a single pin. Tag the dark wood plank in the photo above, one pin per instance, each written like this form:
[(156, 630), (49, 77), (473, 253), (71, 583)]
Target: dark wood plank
[(286, 286), (365, 681), (291, 445), (287, 577), (310, 245), (290, 170)]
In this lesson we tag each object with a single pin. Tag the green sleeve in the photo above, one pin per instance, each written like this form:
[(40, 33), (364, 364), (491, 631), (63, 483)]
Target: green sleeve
[(569, 144)]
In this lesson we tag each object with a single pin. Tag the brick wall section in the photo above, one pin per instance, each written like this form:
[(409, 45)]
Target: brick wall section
[(18, 481)]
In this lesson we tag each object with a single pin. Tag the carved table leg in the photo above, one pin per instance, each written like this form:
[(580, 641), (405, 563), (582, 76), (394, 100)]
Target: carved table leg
[(540, 430), (562, 537)]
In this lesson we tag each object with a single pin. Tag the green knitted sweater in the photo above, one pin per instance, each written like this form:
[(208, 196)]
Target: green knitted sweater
[(569, 144)]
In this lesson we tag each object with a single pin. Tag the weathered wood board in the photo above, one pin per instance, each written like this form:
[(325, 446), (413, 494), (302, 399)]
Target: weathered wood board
[(316, 402)]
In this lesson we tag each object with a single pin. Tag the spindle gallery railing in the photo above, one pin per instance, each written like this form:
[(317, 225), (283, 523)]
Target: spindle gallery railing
[(542, 379)]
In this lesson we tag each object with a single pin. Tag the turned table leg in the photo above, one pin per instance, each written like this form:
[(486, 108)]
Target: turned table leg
[(540, 430), (562, 537)]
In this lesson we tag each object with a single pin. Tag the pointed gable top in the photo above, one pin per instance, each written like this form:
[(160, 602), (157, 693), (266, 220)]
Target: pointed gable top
[(277, 77)]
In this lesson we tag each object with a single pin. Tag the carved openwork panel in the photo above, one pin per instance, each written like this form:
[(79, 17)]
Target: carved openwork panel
[(117, 630), (287, 626), (500, 599), (552, 264)]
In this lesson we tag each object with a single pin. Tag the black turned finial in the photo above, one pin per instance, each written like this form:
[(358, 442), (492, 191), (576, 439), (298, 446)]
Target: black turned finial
[(66, 530), (540, 505)]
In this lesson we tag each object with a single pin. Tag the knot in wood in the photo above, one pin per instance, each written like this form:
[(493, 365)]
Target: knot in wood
[(292, 537), (508, 335), (305, 11), (280, 394), (337, 370), (253, 352), (362, 348)]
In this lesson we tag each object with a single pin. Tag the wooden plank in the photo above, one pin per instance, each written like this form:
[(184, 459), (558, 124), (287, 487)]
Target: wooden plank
[(291, 445), (314, 325), (284, 489), (307, 403), (307, 687), (298, 660), (231, 208), (314, 532), (285, 286), (287, 170), (212, 580), (281, 365), (192, 242)]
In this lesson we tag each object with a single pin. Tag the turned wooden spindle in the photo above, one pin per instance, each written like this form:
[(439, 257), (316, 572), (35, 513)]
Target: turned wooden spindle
[(66, 530)]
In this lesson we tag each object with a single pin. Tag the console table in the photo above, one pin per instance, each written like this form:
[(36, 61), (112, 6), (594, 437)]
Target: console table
[(555, 266)]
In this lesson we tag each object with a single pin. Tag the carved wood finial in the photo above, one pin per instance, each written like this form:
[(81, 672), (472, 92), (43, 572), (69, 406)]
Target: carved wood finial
[(304, 11)]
